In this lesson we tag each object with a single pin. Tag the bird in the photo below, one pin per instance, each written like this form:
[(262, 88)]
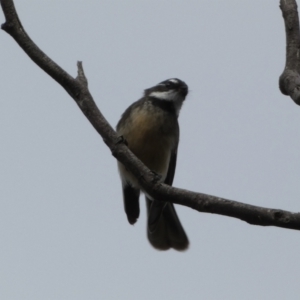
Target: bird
[(151, 131)]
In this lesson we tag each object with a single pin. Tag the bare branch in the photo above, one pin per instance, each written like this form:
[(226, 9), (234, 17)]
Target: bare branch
[(289, 81), (78, 90)]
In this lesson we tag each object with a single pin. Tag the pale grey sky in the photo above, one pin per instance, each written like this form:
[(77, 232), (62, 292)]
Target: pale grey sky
[(63, 231)]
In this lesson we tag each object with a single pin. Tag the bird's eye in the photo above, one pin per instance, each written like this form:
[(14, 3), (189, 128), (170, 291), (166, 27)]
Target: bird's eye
[(168, 84)]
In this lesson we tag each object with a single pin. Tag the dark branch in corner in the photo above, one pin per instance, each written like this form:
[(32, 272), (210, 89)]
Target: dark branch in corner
[(78, 90), (289, 81)]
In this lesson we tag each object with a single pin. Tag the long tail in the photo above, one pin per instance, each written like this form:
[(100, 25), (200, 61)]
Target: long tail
[(168, 231)]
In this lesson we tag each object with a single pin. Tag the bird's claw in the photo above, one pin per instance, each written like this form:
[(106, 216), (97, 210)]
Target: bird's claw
[(122, 140), (156, 177)]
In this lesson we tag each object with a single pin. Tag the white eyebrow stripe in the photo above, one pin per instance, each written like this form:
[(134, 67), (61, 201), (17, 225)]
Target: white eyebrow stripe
[(173, 80), (166, 95)]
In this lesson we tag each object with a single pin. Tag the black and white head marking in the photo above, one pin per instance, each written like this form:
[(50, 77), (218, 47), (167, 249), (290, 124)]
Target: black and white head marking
[(172, 90)]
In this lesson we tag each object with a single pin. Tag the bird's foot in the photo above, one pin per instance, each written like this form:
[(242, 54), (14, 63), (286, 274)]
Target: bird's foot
[(156, 177), (122, 140)]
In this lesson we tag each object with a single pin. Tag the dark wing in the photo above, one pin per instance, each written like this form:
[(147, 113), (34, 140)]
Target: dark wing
[(130, 194), (172, 167), (173, 160)]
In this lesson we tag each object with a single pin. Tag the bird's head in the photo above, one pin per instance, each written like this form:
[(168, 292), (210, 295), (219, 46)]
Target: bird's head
[(171, 90)]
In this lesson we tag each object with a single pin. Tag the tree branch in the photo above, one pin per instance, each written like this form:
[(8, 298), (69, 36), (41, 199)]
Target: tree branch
[(289, 81), (78, 90)]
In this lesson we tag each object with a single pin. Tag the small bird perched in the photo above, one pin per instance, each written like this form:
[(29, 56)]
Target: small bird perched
[(150, 127)]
